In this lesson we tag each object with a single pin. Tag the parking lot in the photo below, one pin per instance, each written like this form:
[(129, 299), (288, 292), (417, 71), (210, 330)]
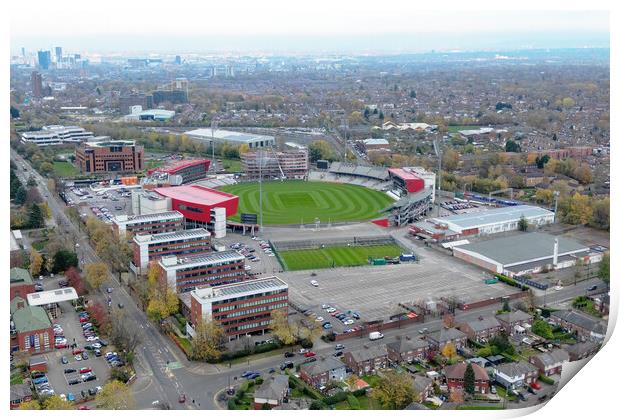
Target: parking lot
[(375, 291), (266, 265), (58, 379), (102, 204)]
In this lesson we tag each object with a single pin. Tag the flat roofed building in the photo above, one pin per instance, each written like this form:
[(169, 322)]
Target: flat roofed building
[(241, 308), (495, 220), (223, 136), (185, 274), (522, 254), (290, 164), (56, 134), (128, 226), (189, 170), (110, 156), (147, 248)]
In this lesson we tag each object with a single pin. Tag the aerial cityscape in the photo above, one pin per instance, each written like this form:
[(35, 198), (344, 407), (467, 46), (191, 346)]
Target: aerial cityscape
[(408, 222)]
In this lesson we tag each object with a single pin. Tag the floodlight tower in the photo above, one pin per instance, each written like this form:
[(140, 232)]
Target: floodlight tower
[(213, 129), (438, 152)]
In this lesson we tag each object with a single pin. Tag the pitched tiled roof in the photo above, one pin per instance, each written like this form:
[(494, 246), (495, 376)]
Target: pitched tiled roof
[(447, 334), (553, 357), (516, 368), (582, 320), (369, 353), (483, 324), (458, 371), (515, 316), (31, 318), (404, 345), (322, 366), (20, 275), (273, 388)]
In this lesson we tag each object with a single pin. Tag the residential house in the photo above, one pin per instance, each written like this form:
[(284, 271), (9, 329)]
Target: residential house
[(516, 374), (407, 349), (516, 322), (455, 375), (368, 360), (481, 329), (320, 372), (439, 339), (422, 387), (273, 392), (581, 350), (586, 327), (20, 393), (550, 363)]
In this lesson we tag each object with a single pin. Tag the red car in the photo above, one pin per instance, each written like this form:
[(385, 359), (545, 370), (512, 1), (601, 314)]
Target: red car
[(85, 370), (83, 407), (535, 385), (309, 354), (77, 351), (60, 345), (84, 319)]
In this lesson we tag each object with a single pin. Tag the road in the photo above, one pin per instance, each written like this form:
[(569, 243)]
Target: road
[(163, 372)]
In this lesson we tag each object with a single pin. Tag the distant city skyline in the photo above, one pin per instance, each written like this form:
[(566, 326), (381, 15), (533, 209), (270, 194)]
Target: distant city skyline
[(279, 27)]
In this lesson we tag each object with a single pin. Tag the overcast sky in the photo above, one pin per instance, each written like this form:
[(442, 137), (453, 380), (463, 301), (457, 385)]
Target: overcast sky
[(276, 25)]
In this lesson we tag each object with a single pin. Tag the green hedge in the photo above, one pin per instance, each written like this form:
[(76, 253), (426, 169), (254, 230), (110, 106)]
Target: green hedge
[(510, 282), (353, 402), (341, 396), (545, 379)]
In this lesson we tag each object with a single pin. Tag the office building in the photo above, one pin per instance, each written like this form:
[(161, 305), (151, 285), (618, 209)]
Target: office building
[(147, 248), (36, 82), (269, 164), (58, 54), (110, 156), (129, 226), (56, 134), (185, 274), (127, 101), (242, 308), (172, 96), (45, 59), (206, 135), (187, 170)]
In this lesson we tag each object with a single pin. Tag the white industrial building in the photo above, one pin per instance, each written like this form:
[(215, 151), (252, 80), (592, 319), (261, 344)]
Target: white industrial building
[(223, 136), (56, 134)]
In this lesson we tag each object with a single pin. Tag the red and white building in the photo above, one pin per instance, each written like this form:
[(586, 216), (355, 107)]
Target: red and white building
[(195, 203), (147, 248), (406, 179), (147, 224), (186, 171), (185, 274), (240, 309)]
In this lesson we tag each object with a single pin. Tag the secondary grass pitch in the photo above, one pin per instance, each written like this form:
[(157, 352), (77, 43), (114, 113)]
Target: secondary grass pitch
[(296, 202), (335, 256)]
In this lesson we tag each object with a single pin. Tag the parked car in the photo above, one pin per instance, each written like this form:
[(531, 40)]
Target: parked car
[(287, 365), (69, 370), (74, 381), (591, 288), (309, 354), (338, 354), (289, 354), (339, 347), (64, 360)]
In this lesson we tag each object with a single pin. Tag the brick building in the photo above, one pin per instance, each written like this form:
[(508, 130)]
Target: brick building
[(455, 378), (241, 308), (481, 328), (147, 224), (110, 156), (147, 248), (439, 339), (407, 350), (516, 322), (21, 283), (586, 327), (367, 360), (217, 268), (32, 329), (186, 170), (516, 374), (550, 363), (320, 372)]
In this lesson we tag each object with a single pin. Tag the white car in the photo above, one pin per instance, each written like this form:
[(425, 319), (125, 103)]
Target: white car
[(331, 310), (319, 319), (348, 322), (248, 267), (314, 283), (78, 358), (92, 338), (324, 306), (558, 288)]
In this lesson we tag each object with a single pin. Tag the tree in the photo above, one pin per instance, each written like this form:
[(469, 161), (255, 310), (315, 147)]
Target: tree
[(123, 332), (208, 341), (30, 405), (600, 214), (544, 196), (36, 262), (576, 209), (280, 327), (394, 391), (96, 274), (162, 300), (14, 112), (449, 351), (450, 160), (320, 149), (412, 94), (541, 161), (20, 195), (75, 280), (542, 329), (603, 268), (512, 146), (56, 403), (115, 395), (506, 306), (523, 224), (35, 216), (469, 379), (64, 259)]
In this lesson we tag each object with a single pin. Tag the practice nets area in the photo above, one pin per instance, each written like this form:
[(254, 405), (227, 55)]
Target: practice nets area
[(302, 202), (336, 256)]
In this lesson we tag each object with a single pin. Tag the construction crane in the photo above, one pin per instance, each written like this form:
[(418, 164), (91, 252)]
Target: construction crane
[(502, 191), (278, 162)]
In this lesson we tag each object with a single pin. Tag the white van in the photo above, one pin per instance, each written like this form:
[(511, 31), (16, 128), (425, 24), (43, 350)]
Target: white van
[(375, 335)]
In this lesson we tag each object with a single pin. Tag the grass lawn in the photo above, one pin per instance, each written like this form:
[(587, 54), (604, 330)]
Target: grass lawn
[(150, 164), (253, 357), (335, 256), (65, 170), (39, 245), (232, 165), (456, 128), (297, 202), (17, 378), (366, 403)]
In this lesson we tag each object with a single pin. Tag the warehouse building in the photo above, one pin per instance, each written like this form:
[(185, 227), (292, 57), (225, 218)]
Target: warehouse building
[(185, 274), (147, 248), (128, 226), (253, 141), (241, 309), (525, 253), (110, 156)]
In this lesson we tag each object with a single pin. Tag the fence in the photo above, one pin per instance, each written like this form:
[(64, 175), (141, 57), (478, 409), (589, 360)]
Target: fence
[(343, 241)]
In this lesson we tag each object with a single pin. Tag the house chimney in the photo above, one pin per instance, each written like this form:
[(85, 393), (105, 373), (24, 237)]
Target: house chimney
[(555, 252)]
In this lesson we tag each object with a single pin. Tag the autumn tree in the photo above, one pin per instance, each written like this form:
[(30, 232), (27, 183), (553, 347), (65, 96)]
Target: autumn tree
[(280, 327), (96, 274), (449, 351), (115, 395), (600, 214), (162, 300), (450, 160), (30, 405), (123, 332), (394, 391), (54, 402), (208, 341), (320, 149), (75, 280), (544, 196), (576, 209), (36, 262)]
